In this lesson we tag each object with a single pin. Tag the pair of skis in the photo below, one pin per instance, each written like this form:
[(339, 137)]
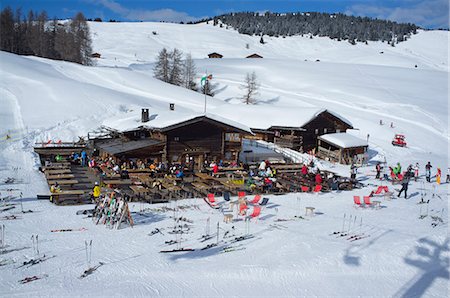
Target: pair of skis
[(68, 230)]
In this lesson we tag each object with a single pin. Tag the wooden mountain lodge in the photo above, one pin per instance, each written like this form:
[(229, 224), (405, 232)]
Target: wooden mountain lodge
[(215, 55), (198, 138), (342, 148), (303, 137)]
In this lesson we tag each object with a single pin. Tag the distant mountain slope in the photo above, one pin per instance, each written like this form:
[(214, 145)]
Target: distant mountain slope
[(122, 44)]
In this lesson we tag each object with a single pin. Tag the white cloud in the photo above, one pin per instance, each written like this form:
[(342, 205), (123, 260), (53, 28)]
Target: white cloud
[(168, 15), (425, 13)]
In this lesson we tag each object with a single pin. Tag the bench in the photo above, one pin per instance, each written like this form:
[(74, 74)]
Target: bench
[(67, 195), (57, 172), (60, 176), (63, 182)]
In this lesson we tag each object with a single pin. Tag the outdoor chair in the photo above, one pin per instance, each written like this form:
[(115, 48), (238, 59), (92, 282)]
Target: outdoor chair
[(255, 200), (357, 201)]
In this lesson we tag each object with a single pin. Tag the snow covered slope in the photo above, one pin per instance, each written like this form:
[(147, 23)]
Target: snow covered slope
[(124, 43), (42, 99)]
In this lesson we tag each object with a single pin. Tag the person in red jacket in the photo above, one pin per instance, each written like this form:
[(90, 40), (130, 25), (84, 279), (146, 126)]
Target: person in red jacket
[(304, 170), (318, 179)]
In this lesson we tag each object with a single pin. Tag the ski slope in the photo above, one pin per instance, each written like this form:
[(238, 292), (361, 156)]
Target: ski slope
[(42, 99)]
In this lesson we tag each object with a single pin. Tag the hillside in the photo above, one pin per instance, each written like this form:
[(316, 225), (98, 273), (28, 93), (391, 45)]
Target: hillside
[(404, 256)]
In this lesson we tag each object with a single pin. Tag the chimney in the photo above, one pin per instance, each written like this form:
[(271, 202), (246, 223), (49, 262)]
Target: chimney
[(172, 107), (145, 116)]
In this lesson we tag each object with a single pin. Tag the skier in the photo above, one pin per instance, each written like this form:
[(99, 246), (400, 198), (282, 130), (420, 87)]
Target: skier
[(405, 182), (378, 169), (448, 176), (428, 167), (416, 171), (438, 176), (398, 169), (96, 192)]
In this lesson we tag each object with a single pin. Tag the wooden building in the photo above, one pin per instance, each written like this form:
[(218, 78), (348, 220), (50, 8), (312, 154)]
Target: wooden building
[(254, 55), (215, 55), (342, 148), (203, 138), (310, 124), (178, 139), (96, 55)]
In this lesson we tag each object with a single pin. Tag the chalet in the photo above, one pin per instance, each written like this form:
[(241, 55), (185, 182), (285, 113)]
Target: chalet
[(96, 55), (297, 128), (215, 55), (171, 137), (254, 56), (342, 148)]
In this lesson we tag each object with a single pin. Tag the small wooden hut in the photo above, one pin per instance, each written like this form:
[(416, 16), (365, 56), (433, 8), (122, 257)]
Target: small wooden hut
[(342, 148), (96, 55), (254, 55), (215, 55)]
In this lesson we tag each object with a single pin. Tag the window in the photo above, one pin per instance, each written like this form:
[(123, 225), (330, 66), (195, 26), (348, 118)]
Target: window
[(232, 137), (176, 139), (317, 131), (325, 130), (338, 130)]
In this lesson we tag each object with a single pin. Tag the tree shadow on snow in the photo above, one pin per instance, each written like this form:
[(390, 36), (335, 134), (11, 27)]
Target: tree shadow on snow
[(430, 258), (269, 101), (352, 253)]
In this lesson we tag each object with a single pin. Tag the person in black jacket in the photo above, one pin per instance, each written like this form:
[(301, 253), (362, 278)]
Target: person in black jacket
[(405, 183)]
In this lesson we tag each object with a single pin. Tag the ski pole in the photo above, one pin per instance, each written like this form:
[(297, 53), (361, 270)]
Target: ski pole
[(343, 223), (217, 240), (37, 244), (86, 251), (34, 246)]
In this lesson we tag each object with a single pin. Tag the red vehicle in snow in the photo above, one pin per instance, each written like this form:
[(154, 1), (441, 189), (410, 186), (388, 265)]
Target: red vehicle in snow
[(399, 140)]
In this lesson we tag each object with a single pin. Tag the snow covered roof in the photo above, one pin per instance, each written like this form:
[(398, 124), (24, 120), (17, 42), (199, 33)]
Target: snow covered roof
[(343, 140), (164, 120), (261, 117)]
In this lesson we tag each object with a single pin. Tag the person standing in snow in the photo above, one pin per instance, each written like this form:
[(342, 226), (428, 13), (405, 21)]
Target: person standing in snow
[(405, 182), (428, 167), (416, 171), (438, 176), (378, 169), (448, 176), (96, 192), (353, 171)]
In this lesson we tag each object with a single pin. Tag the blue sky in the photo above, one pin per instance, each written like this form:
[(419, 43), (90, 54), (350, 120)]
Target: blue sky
[(425, 13)]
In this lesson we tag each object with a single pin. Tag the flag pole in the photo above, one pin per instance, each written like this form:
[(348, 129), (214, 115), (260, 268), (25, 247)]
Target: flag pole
[(204, 89)]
